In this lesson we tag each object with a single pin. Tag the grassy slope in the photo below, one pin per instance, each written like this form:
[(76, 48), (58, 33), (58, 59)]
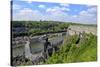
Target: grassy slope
[(84, 51)]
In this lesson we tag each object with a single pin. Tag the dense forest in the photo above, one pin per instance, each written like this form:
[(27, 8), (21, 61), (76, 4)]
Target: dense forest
[(37, 27)]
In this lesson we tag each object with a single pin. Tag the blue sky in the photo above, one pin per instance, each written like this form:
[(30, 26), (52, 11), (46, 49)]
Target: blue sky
[(35, 11)]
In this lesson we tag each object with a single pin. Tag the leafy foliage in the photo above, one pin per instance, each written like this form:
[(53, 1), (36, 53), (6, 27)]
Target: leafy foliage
[(84, 51), (39, 27)]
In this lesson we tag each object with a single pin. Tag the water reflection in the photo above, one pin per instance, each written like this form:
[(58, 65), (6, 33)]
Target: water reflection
[(36, 46)]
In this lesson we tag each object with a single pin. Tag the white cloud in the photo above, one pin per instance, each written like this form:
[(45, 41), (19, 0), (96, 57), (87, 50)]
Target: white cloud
[(65, 9), (28, 1), (25, 11), (41, 6), (92, 10), (83, 12), (54, 9), (16, 7), (57, 14), (74, 16), (27, 14), (64, 4), (50, 10), (86, 14)]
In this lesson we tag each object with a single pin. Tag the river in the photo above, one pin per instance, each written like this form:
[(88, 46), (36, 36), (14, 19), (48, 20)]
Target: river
[(36, 45)]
